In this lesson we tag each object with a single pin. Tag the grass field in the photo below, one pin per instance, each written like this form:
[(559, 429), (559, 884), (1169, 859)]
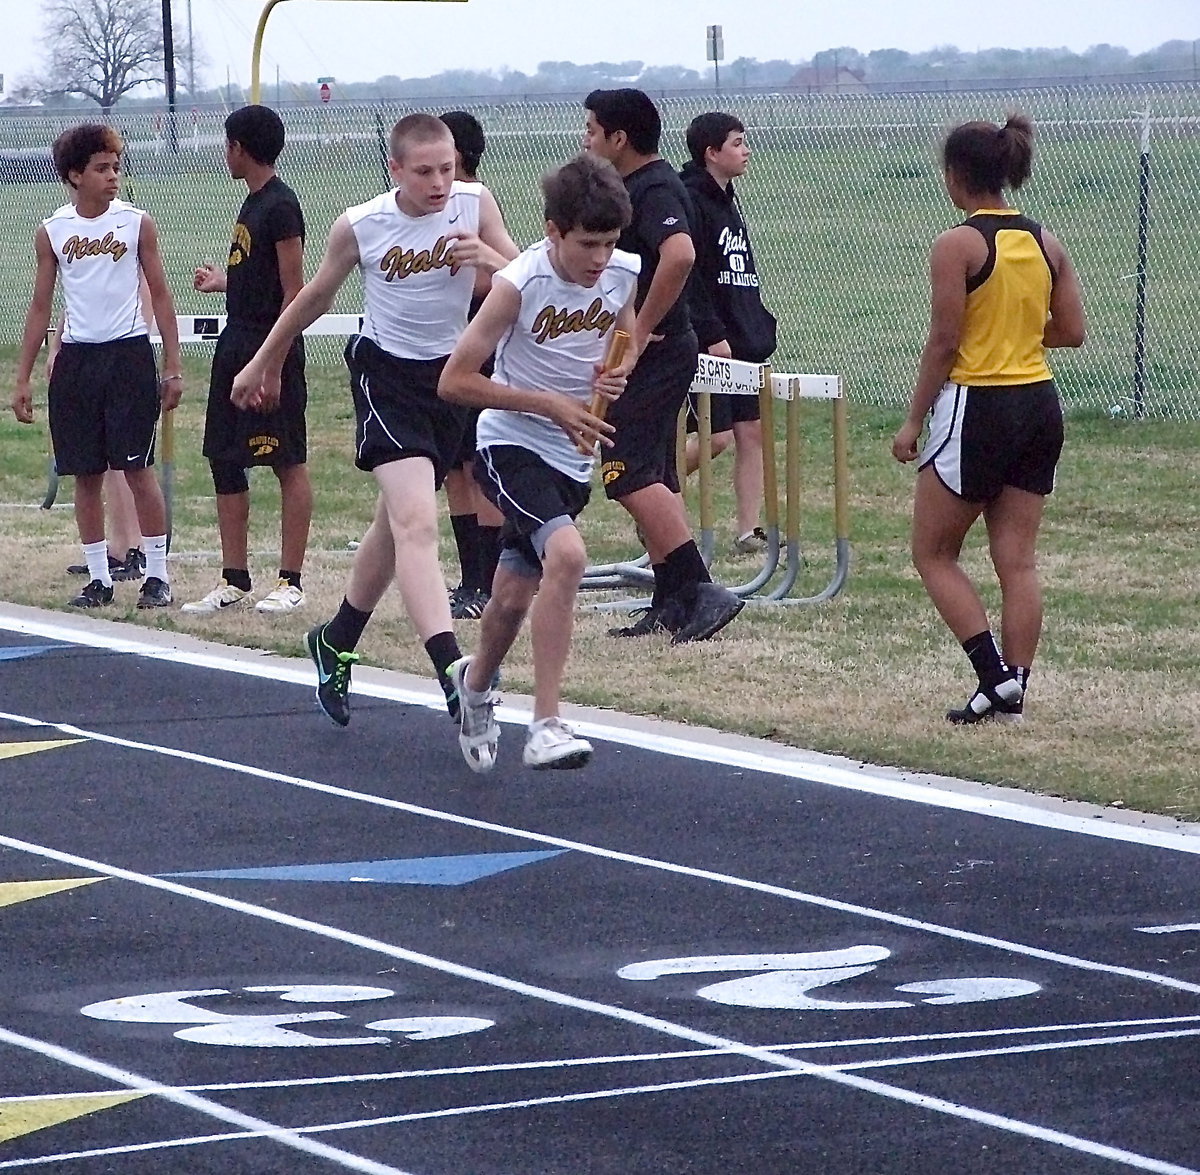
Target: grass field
[(1114, 712), (843, 200)]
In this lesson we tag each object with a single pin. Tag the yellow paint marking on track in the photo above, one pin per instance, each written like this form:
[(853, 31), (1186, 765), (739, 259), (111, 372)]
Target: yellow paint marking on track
[(20, 1116), (12, 750), (12, 892)]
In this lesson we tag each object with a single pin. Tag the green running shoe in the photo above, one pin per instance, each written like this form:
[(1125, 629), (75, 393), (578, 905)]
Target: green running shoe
[(333, 675)]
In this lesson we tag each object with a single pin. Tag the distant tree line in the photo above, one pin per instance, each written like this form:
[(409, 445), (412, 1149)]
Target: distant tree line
[(104, 51), (880, 67)]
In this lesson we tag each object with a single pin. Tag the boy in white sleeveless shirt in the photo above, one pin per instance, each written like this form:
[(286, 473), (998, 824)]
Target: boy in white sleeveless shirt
[(105, 395), (549, 318), (417, 247)]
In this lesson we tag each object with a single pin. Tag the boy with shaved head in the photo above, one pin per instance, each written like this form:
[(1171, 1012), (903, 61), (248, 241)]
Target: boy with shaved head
[(418, 247)]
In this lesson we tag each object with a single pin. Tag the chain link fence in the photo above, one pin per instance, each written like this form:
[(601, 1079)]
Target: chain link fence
[(843, 198)]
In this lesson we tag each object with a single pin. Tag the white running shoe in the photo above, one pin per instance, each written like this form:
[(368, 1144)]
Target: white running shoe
[(479, 733), (223, 596), (553, 744), (284, 597)]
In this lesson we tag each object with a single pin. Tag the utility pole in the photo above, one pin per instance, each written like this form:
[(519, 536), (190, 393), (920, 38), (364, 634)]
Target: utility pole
[(191, 57), (169, 72)]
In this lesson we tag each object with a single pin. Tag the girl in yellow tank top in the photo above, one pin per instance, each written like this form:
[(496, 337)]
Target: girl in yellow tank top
[(1003, 291)]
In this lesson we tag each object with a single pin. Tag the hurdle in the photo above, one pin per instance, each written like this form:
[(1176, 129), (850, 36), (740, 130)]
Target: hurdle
[(783, 559)]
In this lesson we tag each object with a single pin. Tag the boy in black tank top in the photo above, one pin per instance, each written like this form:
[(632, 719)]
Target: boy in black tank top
[(265, 271)]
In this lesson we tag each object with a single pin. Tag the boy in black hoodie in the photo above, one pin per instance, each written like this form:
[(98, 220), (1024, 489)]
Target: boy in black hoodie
[(727, 311)]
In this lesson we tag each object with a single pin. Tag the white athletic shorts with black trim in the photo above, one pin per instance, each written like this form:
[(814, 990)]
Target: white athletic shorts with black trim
[(982, 439)]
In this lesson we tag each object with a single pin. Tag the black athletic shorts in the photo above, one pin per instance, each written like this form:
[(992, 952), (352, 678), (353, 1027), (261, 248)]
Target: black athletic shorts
[(528, 492), (241, 436), (727, 410), (103, 406), (982, 439), (466, 448), (397, 410), (645, 416)]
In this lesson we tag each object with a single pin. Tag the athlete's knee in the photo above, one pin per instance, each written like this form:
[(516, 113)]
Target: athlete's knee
[(720, 442), (1014, 565), (564, 558), (409, 529), (228, 477)]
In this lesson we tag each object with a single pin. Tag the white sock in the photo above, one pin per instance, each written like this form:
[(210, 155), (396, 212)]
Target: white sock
[(96, 557), (155, 547)]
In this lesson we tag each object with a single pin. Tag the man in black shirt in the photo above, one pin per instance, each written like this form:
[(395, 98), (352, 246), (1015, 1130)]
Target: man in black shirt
[(264, 273), (623, 126)]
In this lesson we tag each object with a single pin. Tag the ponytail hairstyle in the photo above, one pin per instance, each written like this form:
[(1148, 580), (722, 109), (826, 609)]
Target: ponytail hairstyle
[(987, 157)]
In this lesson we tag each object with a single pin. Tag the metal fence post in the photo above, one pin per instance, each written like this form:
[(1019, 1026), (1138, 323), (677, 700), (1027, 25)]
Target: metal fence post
[(1143, 251)]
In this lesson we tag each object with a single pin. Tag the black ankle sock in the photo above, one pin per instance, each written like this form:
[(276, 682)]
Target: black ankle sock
[(985, 658), (291, 578), (1022, 674), (237, 577), (660, 584), (683, 570), (466, 539), (489, 556), (345, 630), (443, 651)]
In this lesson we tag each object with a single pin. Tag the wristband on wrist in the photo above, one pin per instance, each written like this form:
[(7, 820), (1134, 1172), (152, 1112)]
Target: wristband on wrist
[(166, 379)]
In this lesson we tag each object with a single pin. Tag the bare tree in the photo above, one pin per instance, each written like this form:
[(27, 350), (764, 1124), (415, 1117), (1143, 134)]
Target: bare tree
[(102, 49)]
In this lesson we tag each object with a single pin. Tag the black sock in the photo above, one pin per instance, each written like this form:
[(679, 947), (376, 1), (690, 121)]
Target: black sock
[(443, 651), (985, 658), (345, 630), (1022, 673), (292, 578), (489, 556), (660, 585), (237, 577), (684, 569), (466, 539)]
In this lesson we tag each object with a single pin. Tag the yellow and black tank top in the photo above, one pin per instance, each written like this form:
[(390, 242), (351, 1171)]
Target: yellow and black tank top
[(1008, 303)]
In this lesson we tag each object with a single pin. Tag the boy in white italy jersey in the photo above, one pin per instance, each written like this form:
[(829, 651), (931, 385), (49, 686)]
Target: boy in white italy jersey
[(105, 395), (418, 248), (549, 318)]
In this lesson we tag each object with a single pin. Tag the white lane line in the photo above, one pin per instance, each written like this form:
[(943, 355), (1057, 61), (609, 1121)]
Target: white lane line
[(764, 1056), (693, 1083), (829, 774), (624, 1059), (123, 1077), (615, 855)]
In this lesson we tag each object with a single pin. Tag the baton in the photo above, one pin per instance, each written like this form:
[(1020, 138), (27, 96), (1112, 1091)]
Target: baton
[(599, 405)]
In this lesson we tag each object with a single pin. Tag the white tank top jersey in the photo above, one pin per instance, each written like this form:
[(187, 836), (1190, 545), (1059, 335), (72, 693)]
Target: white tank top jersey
[(416, 299), (98, 264), (560, 335)]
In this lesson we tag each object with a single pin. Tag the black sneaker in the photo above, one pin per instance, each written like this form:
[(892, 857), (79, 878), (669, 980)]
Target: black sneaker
[(468, 603), (333, 675), (713, 607), (114, 565), (1002, 703), (664, 617), (155, 593), (94, 595), (133, 567)]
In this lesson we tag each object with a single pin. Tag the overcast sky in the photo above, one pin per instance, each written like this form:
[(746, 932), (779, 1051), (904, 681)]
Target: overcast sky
[(357, 40)]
